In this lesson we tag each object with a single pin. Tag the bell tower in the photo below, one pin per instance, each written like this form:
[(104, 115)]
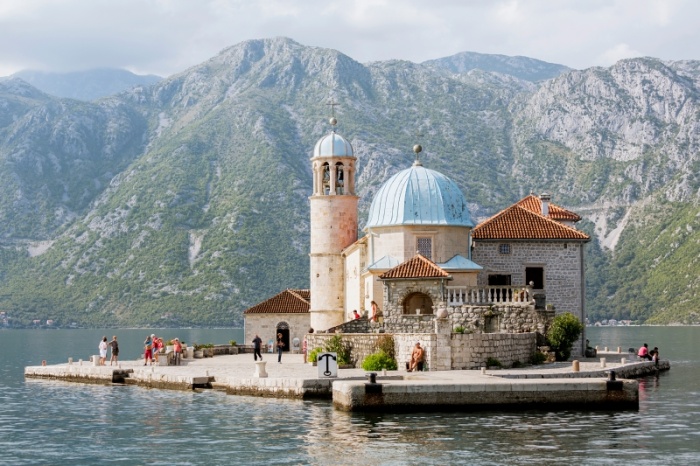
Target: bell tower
[(333, 226)]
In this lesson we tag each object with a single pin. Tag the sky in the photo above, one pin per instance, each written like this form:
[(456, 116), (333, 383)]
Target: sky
[(165, 37)]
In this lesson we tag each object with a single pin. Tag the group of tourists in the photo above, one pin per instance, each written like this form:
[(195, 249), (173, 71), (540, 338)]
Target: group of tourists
[(645, 353), (153, 346), (103, 346)]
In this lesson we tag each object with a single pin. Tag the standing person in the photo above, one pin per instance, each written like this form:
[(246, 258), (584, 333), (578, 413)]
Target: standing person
[(103, 351), (257, 344), (177, 349), (280, 345), (375, 308), (115, 350), (148, 350), (305, 349), (417, 358), (155, 341)]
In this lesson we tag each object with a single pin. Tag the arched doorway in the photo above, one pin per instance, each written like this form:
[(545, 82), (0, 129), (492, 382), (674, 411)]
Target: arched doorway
[(283, 328), (418, 303)]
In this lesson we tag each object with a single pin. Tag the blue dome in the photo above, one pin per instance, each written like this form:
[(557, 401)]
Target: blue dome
[(419, 196), (333, 145)]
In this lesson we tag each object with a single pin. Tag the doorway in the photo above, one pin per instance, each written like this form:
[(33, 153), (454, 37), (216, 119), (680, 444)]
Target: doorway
[(283, 328)]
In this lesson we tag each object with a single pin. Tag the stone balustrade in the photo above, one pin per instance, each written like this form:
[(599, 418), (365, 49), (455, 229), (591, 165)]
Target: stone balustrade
[(486, 295)]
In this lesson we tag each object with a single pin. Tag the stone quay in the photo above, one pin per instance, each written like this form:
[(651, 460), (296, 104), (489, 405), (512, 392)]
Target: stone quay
[(586, 384)]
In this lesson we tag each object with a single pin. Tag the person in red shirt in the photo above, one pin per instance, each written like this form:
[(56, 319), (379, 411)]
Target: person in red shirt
[(644, 352)]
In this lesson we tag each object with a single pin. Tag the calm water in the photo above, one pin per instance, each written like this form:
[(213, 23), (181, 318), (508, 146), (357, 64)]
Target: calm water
[(44, 422)]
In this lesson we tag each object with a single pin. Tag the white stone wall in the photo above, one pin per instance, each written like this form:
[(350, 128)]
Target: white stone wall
[(471, 351), (400, 241), (265, 325)]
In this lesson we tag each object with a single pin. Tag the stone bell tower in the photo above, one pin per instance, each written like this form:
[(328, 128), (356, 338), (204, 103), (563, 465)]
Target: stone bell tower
[(333, 227)]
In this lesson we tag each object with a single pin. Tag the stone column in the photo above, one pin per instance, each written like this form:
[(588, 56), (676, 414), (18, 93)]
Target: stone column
[(442, 356)]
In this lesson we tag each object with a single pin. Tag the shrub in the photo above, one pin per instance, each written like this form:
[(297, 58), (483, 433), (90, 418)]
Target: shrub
[(232, 342), (493, 362), (538, 358), (517, 364), (313, 355), (386, 343), (459, 329), (378, 361), (565, 330), (338, 346)]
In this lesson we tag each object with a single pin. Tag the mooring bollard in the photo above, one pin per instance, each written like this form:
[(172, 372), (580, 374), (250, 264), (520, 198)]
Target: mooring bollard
[(80, 362), (606, 349), (574, 366), (372, 377), (260, 369), (619, 349), (602, 362), (623, 361), (611, 376), (596, 348), (483, 371), (43, 362)]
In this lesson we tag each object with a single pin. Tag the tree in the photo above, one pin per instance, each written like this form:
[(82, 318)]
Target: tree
[(565, 330)]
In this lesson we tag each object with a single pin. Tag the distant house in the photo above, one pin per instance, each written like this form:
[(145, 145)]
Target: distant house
[(534, 243), (286, 313)]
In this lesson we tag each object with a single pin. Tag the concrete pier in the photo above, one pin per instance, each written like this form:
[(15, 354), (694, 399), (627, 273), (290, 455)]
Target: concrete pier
[(537, 386)]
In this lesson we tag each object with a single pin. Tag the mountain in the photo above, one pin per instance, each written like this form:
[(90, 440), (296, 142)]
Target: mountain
[(85, 85), (185, 202), (528, 69)]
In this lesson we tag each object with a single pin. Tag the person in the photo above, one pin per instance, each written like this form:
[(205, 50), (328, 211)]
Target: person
[(103, 351), (115, 350), (156, 345), (655, 355), (355, 314), (417, 358), (177, 351), (643, 352), (148, 350), (257, 344), (373, 317), (280, 345), (304, 349)]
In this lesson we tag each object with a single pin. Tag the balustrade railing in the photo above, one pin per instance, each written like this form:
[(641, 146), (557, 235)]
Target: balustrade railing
[(485, 295)]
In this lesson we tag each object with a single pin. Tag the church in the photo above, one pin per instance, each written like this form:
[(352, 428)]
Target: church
[(424, 271)]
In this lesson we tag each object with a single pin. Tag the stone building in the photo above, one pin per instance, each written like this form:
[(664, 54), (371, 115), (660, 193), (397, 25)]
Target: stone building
[(286, 313), (423, 271)]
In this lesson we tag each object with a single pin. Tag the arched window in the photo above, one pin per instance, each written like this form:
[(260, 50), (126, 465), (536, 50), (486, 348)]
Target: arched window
[(418, 303), (339, 178), (326, 178)]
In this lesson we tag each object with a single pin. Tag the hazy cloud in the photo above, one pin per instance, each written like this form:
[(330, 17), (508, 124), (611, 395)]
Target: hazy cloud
[(167, 36)]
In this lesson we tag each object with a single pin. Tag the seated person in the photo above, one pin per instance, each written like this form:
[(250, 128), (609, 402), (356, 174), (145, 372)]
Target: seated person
[(643, 352)]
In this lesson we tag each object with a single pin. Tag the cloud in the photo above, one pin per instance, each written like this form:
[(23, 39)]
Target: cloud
[(168, 36)]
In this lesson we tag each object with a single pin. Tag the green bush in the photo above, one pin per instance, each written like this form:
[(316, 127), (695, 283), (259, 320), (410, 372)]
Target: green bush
[(313, 355), (538, 358), (565, 330), (459, 329), (386, 343), (517, 364), (232, 342), (338, 346), (378, 361), (493, 362)]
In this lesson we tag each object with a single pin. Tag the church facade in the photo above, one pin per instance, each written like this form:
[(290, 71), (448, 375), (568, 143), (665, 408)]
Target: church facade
[(422, 270)]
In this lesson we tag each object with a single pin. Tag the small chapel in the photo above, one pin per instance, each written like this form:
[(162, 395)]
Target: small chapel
[(422, 270)]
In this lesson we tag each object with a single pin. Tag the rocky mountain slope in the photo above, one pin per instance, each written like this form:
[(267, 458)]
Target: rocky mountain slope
[(85, 85), (185, 202)]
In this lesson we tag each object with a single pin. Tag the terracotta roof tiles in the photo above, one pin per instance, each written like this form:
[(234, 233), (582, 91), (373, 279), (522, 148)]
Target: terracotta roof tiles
[(534, 204), (518, 223), (286, 302), (417, 267)]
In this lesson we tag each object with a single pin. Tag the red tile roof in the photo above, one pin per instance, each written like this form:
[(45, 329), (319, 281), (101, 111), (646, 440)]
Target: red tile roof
[(534, 204), (286, 302), (519, 223), (418, 267)]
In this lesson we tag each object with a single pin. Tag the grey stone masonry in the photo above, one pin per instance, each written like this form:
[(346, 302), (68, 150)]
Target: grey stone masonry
[(472, 351)]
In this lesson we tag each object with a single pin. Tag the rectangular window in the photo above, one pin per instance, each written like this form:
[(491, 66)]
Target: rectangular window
[(504, 248), (424, 247), (536, 276)]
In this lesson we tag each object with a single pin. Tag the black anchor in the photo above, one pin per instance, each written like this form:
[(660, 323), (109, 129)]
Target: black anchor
[(327, 357)]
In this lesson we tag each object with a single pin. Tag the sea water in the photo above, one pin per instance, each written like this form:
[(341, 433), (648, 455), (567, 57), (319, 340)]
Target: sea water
[(46, 422)]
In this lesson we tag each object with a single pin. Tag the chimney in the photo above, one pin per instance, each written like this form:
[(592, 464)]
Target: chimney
[(545, 198)]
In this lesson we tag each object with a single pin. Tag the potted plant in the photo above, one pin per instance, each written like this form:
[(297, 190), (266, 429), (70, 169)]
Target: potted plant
[(198, 352)]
